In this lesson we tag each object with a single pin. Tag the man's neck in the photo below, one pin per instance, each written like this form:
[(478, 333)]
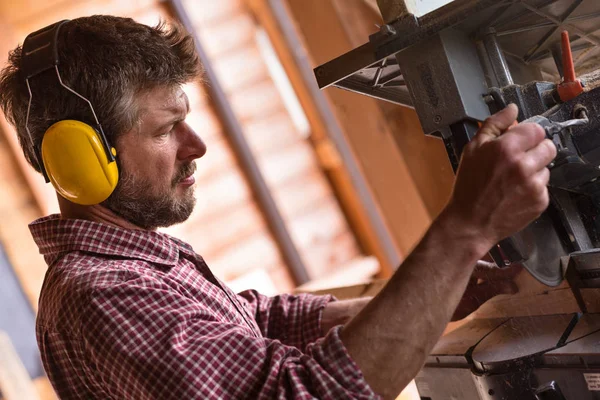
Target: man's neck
[(96, 213)]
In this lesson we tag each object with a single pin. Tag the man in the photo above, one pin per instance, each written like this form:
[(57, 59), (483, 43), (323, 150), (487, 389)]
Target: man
[(127, 312)]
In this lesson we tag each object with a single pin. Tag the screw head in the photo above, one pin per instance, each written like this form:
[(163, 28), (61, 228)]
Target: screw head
[(437, 119), (387, 30)]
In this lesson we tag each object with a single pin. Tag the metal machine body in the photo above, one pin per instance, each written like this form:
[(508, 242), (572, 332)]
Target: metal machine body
[(552, 357), (451, 67), (455, 66)]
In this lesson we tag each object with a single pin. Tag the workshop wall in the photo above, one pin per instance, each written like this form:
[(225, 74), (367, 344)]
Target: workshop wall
[(425, 156), (227, 226), (243, 60), (408, 173), (230, 232)]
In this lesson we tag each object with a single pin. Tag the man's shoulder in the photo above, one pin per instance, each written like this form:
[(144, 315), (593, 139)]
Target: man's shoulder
[(83, 244), (91, 270), (69, 285), (76, 277)]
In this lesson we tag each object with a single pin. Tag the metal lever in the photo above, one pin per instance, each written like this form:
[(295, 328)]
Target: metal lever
[(571, 87), (552, 128), (549, 391)]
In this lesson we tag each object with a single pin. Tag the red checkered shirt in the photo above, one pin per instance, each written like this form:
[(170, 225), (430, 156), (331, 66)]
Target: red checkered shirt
[(131, 314)]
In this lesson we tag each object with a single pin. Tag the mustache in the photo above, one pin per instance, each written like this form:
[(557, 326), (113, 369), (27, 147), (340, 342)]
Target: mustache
[(185, 171)]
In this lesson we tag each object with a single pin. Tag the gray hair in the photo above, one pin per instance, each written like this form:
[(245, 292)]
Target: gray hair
[(109, 60)]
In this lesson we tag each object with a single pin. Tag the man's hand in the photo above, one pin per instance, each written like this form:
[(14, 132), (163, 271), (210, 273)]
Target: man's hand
[(501, 182), (500, 188), (487, 281)]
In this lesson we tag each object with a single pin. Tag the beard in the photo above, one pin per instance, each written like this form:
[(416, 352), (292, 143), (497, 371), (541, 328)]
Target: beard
[(139, 201)]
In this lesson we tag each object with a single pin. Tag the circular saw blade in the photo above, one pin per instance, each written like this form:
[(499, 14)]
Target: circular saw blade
[(542, 248)]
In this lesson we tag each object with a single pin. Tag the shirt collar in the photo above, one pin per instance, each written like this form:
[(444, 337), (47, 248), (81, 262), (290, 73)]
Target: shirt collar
[(55, 237)]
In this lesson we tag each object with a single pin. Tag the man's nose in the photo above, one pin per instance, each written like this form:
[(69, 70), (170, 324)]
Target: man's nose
[(191, 145)]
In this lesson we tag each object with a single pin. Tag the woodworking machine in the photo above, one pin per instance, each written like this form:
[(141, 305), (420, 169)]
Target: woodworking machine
[(455, 66)]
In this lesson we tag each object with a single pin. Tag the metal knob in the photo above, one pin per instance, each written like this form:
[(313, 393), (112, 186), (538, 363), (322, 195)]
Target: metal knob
[(549, 391)]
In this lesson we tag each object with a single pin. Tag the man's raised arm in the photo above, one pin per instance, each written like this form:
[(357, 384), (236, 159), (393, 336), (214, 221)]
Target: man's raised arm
[(500, 188)]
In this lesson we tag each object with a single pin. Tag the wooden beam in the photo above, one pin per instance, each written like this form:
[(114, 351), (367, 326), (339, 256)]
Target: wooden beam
[(9, 41), (38, 13), (532, 299), (34, 181), (23, 201), (45, 389), (329, 158), (367, 289), (366, 128), (15, 383), (372, 4), (394, 9), (425, 156)]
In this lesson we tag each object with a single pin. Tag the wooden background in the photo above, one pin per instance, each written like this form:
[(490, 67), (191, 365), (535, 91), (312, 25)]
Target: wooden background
[(407, 173)]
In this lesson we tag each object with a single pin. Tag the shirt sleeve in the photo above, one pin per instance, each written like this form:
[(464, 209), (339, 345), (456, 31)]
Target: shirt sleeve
[(295, 320), (142, 339)]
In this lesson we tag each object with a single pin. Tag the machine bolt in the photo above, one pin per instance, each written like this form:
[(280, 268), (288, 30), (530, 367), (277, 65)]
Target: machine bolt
[(387, 30), (580, 112)]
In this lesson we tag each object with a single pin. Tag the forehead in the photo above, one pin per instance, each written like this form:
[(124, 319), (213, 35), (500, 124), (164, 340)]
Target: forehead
[(163, 102), (167, 99), (156, 109)]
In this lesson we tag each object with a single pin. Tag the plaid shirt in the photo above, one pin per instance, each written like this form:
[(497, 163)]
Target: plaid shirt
[(131, 314)]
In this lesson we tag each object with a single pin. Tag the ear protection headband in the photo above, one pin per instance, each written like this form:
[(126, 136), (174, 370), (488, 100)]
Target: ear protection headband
[(74, 156)]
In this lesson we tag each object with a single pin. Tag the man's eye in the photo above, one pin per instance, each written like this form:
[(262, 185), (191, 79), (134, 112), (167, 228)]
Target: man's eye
[(165, 134)]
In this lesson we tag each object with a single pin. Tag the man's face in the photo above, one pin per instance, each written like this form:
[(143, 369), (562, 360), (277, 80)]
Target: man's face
[(156, 161)]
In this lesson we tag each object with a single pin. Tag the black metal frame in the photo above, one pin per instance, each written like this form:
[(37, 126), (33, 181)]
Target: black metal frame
[(362, 69)]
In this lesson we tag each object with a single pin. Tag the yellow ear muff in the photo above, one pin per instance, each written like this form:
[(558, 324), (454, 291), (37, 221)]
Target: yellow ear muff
[(76, 163)]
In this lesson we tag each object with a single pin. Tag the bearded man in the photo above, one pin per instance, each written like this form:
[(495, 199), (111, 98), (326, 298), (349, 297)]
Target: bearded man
[(127, 312)]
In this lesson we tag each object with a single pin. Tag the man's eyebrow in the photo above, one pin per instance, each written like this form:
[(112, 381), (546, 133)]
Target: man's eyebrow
[(175, 109), (177, 118), (165, 125)]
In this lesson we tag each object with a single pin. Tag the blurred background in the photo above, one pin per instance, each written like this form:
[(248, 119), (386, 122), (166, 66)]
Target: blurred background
[(299, 190)]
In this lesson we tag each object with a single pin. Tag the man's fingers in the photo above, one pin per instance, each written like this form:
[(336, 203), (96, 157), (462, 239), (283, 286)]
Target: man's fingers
[(542, 154), (537, 190), (488, 271), (541, 179), (536, 159), (524, 137), (497, 124)]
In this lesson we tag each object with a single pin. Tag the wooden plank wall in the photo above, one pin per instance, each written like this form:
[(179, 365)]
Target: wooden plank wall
[(425, 156), (227, 226), (17, 208), (24, 195), (284, 39), (367, 128), (285, 156)]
